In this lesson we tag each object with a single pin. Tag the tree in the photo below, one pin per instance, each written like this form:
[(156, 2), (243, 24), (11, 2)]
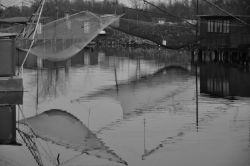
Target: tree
[(12, 11), (137, 4), (241, 7)]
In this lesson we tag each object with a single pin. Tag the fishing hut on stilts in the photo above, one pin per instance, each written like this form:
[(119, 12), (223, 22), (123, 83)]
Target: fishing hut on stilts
[(223, 48), (11, 89), (224, 39)]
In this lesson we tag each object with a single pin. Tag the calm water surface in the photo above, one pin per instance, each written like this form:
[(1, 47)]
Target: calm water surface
[(150, 119)]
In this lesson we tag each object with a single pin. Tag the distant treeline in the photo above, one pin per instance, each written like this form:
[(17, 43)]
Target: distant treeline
[(175, 9)]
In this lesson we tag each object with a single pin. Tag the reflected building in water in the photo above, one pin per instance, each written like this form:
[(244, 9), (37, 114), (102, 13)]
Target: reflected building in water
[(224, 81)]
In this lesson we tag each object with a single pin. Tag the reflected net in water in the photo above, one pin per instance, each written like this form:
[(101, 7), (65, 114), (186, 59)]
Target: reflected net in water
[(63, 38), (63, 128)]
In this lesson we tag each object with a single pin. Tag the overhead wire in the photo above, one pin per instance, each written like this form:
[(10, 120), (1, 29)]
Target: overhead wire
[(33, 36), (3, 5)]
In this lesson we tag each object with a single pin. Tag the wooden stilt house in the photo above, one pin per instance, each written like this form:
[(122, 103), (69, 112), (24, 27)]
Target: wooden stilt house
[(224, 38)]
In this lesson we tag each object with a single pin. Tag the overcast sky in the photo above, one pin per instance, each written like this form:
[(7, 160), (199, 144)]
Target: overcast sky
[(19, 2)]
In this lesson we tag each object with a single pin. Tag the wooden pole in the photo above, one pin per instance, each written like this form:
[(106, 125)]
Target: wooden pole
[(196, 69), (144, 134), (37, 90), (116, 81), (196, 94), (197, 7), (89, 117), (33, 36)]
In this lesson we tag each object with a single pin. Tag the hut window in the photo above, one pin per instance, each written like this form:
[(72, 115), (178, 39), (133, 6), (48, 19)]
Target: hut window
[(86, 27), (225, 26), (208, 26), (215, 26), (221, 26), (218, 26), (228, 26), (211, 26)]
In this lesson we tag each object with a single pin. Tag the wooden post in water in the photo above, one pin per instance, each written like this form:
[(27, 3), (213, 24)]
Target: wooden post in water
[(116, 82), (144, 135), (37, 90), (249, 132), (89, 116), (196, 94)]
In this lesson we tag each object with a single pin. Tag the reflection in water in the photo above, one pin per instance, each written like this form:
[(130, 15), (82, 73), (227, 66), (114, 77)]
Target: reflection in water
[(4, 161), (137, 95), (215, 88), (224, 81), (51, 83), (203, 120), (62, 128), (91, 58), (165, 99), (53, 80), (140, 96)]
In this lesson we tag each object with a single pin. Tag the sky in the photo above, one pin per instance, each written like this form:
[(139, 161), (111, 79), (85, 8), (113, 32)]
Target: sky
[(26, 2), (15, 2)]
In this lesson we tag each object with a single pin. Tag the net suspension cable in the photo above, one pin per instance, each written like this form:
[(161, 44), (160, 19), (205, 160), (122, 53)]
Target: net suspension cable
[(33, 36)]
